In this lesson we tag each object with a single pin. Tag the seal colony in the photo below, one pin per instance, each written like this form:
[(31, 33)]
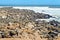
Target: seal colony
[(21, 23)]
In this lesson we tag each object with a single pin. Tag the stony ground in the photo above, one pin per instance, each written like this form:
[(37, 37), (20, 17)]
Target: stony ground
[(21, 24)]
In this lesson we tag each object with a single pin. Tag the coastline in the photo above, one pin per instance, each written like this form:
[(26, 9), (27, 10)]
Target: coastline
[(22, 23)]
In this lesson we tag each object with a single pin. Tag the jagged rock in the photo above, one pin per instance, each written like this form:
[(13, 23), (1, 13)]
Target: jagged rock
[(16, 23)]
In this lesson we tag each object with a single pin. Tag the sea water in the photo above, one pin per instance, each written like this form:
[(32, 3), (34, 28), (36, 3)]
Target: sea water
[(55, 13)]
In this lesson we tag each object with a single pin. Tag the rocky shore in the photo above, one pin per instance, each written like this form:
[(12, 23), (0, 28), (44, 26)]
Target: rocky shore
[(21, 23)]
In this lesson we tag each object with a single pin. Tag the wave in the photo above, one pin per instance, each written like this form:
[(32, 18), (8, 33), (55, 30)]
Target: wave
[(55, 12)]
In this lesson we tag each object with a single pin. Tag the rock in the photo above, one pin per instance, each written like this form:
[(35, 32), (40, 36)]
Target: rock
[(20, 23), (12, 32)]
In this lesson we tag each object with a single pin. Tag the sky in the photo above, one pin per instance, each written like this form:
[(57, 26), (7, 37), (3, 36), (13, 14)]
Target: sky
[(29, 2)]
